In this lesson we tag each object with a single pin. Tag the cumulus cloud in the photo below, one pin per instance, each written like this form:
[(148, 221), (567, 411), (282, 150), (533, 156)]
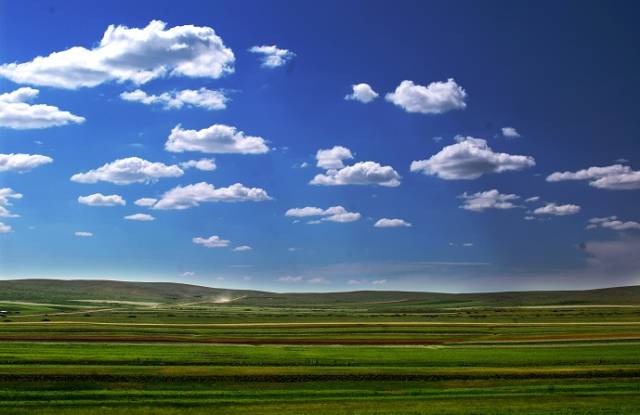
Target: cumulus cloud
[(391, 223), (202, 164), (490, 199), (5, 228), (200, 98), (6, 196), (83, 234), (146, 201), (18, 114), (128, 170), (242, 248), (140, 217), (184, 197), (333, 214), (510, 132), (218, 138), (332, 158), (469, 159), (288, 279), (213, 241), (362, 92), (272, 56), (557, 210), (22, 162), (435, 98), (129, 54), (613, 223), (98, 199), (614, 177), (361, 173)]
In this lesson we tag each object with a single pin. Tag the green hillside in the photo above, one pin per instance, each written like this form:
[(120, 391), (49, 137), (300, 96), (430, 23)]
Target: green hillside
[(57, 291)]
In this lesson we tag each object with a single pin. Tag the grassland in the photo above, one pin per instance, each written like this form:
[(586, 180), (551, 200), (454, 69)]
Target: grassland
[(112, 347)]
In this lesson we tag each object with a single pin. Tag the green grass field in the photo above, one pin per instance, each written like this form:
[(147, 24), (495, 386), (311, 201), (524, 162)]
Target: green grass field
[(110, 347)]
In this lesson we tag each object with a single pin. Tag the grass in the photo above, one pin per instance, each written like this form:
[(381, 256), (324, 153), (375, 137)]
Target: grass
[(358, 353)]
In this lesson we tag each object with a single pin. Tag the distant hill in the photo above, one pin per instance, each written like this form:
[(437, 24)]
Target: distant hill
[(46, 290)]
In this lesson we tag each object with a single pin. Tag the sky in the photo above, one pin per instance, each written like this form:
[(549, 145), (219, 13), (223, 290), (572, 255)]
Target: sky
[(321, 146)]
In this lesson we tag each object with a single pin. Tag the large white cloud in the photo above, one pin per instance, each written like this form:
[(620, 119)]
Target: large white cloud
[(129, 170), (17, 113), (613, 223), (201, 98), (469, 159), (184, 197), (6, 196), (218, 138), (362, 173), (272, 56), (213, 241), (435, 98), (362, 92), (22, 162), (392, 223), (490, 199), (557, 210), (129, 54), (5, 228), (332, 158), (98, 199), (333, 214), (614, 177)]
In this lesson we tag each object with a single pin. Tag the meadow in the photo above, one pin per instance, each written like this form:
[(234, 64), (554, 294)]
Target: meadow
[(110, 348)]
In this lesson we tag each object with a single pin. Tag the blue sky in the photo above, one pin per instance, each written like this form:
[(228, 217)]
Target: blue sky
[(470, 140)]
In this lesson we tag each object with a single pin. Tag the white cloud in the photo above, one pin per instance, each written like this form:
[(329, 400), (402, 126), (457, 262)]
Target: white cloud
[(532, 199), (379, 282), (184, 197), (557, 210), (333, 214), (146, 201), (361, 173), (436, 98), (83, 234), (510, 132), (333, 158), (6, 195), (16, 113), (290, 279), (213, 241), (130, 54), (129, 170), (468, 244), (614, 177), (22, 162), (98, 199), (490, 199), (362, 92), (5, 228), (319, 280), (188, 274), (201, 98), (391, 223), (613, 223), (469, 159), (357, 282), (202, 164), (218, 138), (272, 56), (140, 217), (242, 248)]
